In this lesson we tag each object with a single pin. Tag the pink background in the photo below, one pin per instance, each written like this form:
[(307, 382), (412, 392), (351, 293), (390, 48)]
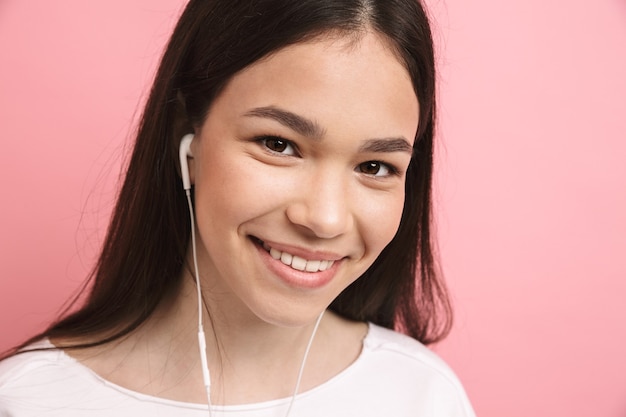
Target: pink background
[(531, 184)]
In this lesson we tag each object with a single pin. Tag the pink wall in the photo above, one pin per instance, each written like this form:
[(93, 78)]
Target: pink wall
[(531, 187)]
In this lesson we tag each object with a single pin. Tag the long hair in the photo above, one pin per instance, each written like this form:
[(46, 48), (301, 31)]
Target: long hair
[(146, 244)]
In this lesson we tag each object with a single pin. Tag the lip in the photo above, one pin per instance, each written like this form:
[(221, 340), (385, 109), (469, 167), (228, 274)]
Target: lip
[(294, 278)]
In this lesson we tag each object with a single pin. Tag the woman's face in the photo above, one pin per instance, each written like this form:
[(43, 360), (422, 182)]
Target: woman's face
[(299, 173)]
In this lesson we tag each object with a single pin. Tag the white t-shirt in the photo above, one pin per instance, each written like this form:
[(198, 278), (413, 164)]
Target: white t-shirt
[(394, 376)]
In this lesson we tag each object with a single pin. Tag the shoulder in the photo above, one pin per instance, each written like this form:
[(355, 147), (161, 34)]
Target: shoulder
[(44, 380), (39, 357), (39, 379), (411, 370), (405, 350)]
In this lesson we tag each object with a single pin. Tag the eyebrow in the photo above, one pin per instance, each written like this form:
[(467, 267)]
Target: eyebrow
[(387, 145), (311, 129), (297, 123)]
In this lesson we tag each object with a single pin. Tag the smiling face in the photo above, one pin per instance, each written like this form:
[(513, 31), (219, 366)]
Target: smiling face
[(299, 173)]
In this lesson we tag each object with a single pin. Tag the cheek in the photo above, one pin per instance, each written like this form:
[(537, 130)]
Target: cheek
[(234, 188), (219, 196), (380, 221)]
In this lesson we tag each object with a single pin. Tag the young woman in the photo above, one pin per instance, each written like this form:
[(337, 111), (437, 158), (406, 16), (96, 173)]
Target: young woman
[(301, 133)]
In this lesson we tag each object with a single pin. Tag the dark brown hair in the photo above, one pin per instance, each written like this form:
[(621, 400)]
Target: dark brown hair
[(145, 248)]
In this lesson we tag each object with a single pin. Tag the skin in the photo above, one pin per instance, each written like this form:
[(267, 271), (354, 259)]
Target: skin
[(322, 189)]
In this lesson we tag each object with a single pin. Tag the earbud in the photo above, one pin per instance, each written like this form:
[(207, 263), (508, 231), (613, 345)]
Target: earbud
[(183, 152)]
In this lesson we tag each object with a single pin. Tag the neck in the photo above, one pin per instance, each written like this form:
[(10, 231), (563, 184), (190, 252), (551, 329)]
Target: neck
[(249, 359)]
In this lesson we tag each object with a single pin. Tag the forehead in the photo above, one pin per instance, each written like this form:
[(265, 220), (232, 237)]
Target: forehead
[(354, 82)]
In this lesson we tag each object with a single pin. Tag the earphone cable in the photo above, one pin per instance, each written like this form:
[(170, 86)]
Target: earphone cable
[(304, 358), (206, 377)]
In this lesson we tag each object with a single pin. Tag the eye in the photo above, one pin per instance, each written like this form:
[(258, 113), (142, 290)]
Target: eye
[(278, 145), (377, 169)]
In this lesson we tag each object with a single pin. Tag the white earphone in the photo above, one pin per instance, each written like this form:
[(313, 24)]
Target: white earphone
[(184, 152)]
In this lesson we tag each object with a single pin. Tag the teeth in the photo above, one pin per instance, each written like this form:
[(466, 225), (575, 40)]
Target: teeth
[(275, 253), (297, 262), (286, 258), (312, 266)]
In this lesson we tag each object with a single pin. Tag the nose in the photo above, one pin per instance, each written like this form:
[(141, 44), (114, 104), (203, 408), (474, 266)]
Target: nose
[(322, 206)]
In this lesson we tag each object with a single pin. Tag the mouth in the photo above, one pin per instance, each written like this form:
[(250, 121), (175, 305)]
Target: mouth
[(296, 262)]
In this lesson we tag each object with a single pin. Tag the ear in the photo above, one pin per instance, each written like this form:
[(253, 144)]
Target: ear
[(191, 162), (191, 159)]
